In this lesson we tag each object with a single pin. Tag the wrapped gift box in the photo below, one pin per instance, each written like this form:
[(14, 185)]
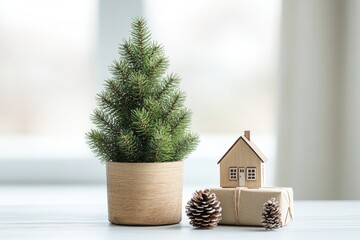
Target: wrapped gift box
[(244, 206)]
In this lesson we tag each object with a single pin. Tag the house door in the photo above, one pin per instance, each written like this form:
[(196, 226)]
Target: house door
[(242, 177)]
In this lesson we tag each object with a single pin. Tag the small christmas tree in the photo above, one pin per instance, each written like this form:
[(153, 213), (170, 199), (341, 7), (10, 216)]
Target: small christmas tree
[(271, 217), (141, 115)]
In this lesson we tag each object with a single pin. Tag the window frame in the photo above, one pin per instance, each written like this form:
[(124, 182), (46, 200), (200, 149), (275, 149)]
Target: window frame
[(233, 174), (251, 174)]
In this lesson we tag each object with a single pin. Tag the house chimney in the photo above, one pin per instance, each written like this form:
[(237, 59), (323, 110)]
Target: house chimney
[(247, 134)]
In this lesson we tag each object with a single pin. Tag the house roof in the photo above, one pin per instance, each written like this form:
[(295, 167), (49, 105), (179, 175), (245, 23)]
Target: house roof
[(252, 146)]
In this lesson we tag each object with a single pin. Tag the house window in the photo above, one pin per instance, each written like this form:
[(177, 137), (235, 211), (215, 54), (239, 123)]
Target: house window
[(232, 174), (251, 174)]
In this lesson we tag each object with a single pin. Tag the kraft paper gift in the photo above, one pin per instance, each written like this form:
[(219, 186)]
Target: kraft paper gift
[(244, 206)]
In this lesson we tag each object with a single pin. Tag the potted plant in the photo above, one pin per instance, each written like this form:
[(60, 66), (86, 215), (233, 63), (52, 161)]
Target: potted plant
[(142, 134)]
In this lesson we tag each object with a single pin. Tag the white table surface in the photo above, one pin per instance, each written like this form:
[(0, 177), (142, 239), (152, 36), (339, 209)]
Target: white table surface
[(80, 212)]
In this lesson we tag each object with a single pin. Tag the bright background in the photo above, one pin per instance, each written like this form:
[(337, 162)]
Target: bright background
[(245, 64)]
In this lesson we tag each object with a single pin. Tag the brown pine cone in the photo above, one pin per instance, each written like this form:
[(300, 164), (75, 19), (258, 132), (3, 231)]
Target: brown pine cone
[(271, 217), (203, 209)]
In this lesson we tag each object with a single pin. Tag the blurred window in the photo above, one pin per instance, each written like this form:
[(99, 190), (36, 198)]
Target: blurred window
[(226, 53), (47, 62)]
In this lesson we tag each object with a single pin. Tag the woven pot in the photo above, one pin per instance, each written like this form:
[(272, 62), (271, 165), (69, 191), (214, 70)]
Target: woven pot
[(144, 193)]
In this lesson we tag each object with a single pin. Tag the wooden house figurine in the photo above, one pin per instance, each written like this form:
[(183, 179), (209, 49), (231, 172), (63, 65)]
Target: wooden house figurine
[(242, 165)]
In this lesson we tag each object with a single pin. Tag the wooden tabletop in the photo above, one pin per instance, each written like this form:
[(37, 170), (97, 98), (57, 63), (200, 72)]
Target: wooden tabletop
[(80, 212)]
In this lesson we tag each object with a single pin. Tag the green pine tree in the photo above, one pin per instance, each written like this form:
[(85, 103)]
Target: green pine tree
[(140, 115)]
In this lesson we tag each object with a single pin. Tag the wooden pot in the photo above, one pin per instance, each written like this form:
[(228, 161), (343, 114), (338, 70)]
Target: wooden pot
[(144, 193)]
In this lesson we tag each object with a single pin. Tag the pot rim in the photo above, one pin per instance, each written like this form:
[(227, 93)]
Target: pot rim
[(181, 161)]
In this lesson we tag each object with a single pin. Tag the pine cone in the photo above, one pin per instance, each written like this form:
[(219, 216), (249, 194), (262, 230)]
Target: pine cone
[(271, 217), (204, 209)]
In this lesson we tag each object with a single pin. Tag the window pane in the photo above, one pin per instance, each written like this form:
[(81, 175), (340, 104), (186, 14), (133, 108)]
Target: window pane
[(47, 64), (251, 174), (226, 53), (232, 173)]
